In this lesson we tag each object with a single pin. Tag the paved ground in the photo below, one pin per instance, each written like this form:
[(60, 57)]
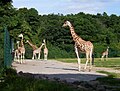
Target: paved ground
[(53, 68)]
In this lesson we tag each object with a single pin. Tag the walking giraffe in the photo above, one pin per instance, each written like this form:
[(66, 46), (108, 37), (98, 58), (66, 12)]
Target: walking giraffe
[(37, 51), (17, 53), (45, 50), (105, 53), (81, 46), (21, 49), (34, 47)]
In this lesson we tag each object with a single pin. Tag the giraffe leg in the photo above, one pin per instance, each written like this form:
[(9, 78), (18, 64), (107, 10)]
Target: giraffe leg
[(15, 57), (45, 56), (79, 61), (24, 57), (20, 60), (90, 61), (102, 57), (33, 56), (106, 57), (39, 56), (87, 59)]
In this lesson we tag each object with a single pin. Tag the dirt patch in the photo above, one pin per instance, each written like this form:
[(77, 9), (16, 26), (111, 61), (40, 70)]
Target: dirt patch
[(56, 69)]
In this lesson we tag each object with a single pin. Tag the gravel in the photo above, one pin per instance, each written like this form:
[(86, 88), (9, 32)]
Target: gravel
[(59, 70)]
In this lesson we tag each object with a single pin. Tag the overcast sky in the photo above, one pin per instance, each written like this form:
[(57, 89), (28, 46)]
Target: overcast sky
[(71, 6)]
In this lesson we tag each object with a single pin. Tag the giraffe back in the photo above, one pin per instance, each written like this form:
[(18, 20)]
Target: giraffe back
[(84, 46)]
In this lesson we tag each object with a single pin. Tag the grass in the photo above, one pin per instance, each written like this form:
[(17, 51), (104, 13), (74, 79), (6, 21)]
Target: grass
[(113, 79), (31, 84), (110, 63), (111, 74)]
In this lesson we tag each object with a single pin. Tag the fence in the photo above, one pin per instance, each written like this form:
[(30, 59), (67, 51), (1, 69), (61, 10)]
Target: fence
[(8, 48)]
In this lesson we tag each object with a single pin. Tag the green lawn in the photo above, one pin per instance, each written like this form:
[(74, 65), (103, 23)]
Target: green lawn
[(111, 62)]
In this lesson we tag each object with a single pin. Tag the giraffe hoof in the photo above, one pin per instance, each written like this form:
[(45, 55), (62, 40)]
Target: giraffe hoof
[(89, 70), (79, 70)]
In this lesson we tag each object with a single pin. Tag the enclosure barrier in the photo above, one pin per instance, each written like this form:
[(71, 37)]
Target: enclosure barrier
[(8, 44)]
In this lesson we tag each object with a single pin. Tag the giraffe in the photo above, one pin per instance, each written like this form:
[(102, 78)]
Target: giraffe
[(34, 47), (105, 53), (37, 51), (17, 52), (21, 49), (45, 50), (81, 46)]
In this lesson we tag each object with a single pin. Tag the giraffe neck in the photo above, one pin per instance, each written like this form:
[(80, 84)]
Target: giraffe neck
[(18, 45), (22, 44), (40, 47), (33, 46), (107, 50), (45, 46), (74, 35)]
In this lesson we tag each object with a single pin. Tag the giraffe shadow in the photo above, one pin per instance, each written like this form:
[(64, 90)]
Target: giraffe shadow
[(72, 69)]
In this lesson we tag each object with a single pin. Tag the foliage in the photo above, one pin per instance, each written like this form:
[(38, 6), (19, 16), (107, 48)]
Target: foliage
[(102, 30)]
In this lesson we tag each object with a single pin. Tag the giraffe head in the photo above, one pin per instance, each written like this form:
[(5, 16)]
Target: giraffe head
[(18, 42), (43, 44), (27, 41), (43, 40), (21, 35), (66, 23)]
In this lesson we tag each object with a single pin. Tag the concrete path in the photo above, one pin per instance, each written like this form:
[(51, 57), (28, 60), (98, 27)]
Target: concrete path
[(56, 69)]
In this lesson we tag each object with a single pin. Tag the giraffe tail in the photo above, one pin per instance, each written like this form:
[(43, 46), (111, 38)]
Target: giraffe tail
[(92, 58)]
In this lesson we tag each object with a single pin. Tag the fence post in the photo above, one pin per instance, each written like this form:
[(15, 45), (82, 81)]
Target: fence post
[(7, 49)]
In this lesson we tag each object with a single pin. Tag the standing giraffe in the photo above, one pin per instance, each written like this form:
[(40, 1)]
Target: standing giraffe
[(37, 51), (81, 46), (45, 50), (17, 53), (22, 49), (105, 53), (34, 47)]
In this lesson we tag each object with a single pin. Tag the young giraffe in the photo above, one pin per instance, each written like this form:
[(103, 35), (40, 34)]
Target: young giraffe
[(45, 50), (37, 51), (22, 49), (105, 53), (81, 46), (34, 47), (17, 53)]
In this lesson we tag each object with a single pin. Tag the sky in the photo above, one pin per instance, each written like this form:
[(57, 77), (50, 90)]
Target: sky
[(70, 6)]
